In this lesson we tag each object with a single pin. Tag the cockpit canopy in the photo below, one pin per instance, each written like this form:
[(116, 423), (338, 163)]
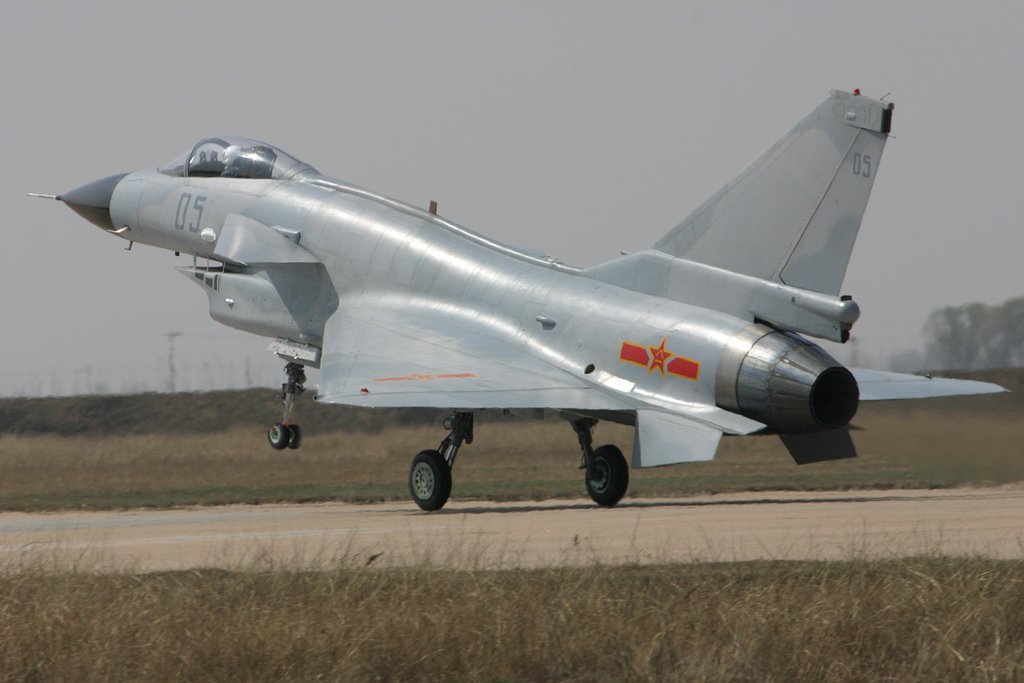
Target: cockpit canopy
[(234, 157)]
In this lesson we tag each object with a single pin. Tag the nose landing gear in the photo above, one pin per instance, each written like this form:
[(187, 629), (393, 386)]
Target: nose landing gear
[(284, 434)]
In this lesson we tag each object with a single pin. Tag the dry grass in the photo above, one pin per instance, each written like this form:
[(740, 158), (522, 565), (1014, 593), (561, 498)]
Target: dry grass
[(923, 619), (902, 448), (50, 472), (907, 620)]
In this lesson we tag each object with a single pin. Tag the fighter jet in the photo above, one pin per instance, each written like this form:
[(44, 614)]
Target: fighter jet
[(704, 334)]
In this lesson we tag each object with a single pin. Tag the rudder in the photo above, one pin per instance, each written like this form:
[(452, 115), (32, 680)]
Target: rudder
[(793, 215)]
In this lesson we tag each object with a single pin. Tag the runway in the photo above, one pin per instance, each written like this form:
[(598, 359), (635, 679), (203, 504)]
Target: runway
[(482, 534)]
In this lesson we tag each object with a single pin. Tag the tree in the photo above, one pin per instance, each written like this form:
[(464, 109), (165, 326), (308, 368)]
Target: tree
[(975, 336)]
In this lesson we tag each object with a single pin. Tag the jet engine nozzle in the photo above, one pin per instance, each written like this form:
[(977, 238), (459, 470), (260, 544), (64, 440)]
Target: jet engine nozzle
[(788, 383), (92, 201)]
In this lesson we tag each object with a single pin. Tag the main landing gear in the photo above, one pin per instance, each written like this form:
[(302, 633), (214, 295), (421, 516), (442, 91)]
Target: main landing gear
[(284, 434), (430, 475), (607, 475)]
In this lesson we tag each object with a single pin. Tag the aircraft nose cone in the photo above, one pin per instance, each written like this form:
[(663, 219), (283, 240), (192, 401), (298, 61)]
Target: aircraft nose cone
[(92, 201)]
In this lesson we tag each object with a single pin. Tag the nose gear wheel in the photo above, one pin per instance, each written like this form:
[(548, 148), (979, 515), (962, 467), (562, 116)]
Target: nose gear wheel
[(284, 434)]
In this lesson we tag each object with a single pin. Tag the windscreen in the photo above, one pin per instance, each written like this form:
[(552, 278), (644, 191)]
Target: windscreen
[(234, 157)]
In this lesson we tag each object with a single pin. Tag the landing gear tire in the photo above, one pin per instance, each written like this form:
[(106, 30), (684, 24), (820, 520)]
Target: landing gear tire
[(609, 478), (284, 434), (430, 480), (295, 436), (279, 436)]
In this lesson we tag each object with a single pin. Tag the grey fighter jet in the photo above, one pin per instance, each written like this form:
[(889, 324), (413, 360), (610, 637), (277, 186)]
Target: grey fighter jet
[(703, 334)]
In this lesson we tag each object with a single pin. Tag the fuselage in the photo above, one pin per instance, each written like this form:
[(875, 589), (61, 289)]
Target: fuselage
[(602, 333), (290, 247)]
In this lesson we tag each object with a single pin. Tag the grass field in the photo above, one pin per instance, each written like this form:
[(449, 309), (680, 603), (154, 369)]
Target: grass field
[(913, 619), (900, 445), (925, 619)]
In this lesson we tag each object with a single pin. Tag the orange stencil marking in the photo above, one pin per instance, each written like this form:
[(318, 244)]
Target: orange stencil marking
[(416, 377)]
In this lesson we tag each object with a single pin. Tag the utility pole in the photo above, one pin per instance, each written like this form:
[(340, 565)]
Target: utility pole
[(170, 360)]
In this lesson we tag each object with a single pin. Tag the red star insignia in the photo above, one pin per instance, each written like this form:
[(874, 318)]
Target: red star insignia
[(658, 357)]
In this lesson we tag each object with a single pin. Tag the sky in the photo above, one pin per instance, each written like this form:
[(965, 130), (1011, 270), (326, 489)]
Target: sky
[(580, 129)]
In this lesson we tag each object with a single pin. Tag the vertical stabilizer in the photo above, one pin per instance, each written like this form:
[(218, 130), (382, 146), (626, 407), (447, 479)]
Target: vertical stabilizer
[(793, 215)]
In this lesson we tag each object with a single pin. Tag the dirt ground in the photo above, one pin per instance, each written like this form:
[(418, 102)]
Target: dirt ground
[(481, 534)]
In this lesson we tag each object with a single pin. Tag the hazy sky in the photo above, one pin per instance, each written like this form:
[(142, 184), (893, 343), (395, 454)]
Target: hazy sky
[(580, 129)]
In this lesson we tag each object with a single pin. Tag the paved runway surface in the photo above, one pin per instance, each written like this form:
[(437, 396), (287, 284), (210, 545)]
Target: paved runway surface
[(729, 527)]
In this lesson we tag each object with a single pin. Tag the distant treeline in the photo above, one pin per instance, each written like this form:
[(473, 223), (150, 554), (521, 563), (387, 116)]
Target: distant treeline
[(976, 336)]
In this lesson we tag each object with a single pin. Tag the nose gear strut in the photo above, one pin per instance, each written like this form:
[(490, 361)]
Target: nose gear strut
[(284, 434)]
